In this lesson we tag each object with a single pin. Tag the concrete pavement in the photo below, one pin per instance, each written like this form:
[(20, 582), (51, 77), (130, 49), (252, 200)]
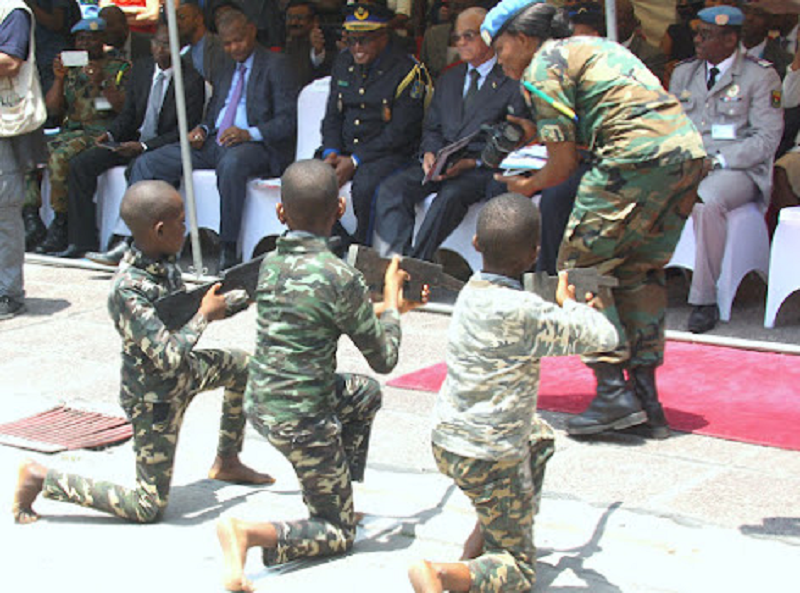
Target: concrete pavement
[(688, 514)]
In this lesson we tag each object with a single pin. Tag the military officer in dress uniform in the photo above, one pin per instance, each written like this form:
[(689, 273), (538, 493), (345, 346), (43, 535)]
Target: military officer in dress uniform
[(735, 103), (373, 120)]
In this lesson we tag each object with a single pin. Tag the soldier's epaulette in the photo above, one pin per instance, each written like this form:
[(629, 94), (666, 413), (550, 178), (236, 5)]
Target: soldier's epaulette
[(760, 61), (686, 61), (420, 82)]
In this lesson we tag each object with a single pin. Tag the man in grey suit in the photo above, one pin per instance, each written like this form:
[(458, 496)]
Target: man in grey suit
[(249, 128), (735, 102), (205, 48), (467, 96)]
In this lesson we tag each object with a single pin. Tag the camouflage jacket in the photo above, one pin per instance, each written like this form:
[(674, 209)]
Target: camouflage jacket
[(625, 116), (157, 364), (307, 298), (80, 95), (486, 408)]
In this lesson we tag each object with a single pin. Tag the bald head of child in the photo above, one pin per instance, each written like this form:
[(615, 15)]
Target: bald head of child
[(310, 197), (507, 235), (153, 211)]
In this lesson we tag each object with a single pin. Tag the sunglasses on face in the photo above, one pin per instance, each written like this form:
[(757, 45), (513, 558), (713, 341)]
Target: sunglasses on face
[(466, 36), (362, 40)]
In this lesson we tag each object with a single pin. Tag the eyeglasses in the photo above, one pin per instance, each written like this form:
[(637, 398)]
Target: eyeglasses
[(466, 36), (353, 40)]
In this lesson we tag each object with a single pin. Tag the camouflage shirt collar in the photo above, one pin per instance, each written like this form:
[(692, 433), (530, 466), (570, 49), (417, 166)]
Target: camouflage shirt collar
[(301, 242), (156, 267), (499, 279)]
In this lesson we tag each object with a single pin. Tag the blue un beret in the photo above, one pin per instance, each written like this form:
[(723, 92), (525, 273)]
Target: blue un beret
[(90, 24), (499, 17), (722, 16)]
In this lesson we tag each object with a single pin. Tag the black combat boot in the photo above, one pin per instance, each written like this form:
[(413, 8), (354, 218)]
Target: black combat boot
[(56, 239), (644, 387), (34, 227), (613, 408)]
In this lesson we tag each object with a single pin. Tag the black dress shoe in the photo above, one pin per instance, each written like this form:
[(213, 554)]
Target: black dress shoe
[(227, 256), (112, 257), (703, 318), (71, 252)]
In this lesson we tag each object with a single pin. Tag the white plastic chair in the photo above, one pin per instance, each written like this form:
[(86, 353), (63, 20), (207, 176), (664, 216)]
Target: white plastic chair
[(263, 195), (784, 273), (746, 250)]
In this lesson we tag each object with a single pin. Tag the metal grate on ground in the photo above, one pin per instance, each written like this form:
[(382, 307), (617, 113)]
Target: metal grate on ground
[(63, 428)]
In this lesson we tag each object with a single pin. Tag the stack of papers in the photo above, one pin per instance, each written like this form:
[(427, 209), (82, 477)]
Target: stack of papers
[(527, 158)]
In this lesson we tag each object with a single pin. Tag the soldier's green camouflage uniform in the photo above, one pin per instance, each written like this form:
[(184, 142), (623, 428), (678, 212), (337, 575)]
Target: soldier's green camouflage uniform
[(632, 203), (161, 374), (487, 435), (81, 125), (320, 420)]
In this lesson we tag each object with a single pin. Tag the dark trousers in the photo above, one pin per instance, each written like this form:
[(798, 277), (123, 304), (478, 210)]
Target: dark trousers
[(84, 170), (398, 196), (554, 210), (234, 166), (364, 189)]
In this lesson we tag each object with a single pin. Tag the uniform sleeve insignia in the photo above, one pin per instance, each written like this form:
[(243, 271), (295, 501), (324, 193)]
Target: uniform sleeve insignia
[(776, 98), (416, 90)]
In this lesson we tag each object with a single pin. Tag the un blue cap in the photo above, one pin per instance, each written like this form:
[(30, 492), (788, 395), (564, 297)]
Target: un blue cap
[(93, 24), (501, 16), (723, 16)]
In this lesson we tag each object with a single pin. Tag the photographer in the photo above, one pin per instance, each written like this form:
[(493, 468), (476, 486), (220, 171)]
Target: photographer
[(647, 160), (310, 56), (467, 96)]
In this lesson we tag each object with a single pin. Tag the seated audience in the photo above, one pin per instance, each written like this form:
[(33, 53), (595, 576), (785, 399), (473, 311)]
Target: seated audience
[(141, 15), (467, 96), (54, 20), (677, 44), (205, 48), (756, 42), (734, 101), (148, 121), (120, 41), (249, 128), (305, 47), (437, 51), (85, 99), (373, 119)]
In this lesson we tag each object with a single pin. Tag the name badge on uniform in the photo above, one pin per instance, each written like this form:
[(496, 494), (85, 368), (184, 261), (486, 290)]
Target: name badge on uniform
[(723, 132), (102, 104)]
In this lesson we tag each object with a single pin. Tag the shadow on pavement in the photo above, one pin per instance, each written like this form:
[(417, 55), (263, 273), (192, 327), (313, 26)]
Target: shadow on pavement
[(43, 307), (573, 559), (771, 526)]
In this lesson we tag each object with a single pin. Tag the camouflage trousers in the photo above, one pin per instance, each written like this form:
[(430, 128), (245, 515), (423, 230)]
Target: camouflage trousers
[(62, 148), (156, 426), (626, 223), (506, 495), (327, 455)]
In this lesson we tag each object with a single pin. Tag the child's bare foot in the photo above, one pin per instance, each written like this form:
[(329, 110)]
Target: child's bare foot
[(424, 578), (231, 469), (30, 480), (234, 550)]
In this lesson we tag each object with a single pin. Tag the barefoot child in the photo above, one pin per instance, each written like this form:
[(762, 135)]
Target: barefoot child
[(487, 435), (161, 372), (319, 419)]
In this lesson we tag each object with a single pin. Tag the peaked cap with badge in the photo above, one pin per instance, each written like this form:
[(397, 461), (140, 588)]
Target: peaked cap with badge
[(366, 17)]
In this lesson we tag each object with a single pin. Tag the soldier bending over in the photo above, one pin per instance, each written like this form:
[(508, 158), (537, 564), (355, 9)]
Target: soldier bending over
[(161, 372)]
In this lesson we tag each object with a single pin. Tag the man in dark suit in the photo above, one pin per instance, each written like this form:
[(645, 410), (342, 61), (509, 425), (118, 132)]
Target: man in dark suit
[(309, 54), (249, 129), (122, 42), (142, 125), (205, 48), (467, 96)]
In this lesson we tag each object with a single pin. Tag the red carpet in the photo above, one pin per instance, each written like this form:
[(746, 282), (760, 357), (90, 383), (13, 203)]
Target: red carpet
[(741, 395)]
